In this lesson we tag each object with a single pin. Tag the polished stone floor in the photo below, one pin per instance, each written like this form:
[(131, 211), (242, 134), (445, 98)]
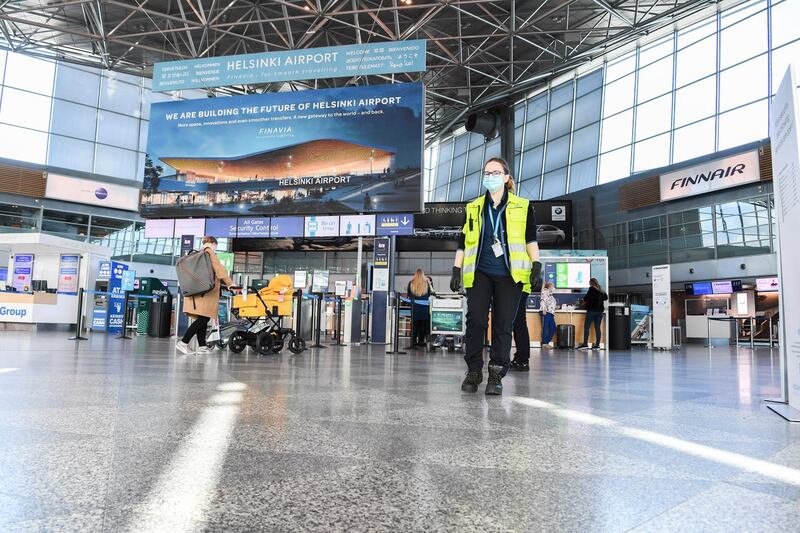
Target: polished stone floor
[(113, 435)]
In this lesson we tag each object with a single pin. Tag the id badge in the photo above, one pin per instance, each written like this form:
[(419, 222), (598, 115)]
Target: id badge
[(497, 248)]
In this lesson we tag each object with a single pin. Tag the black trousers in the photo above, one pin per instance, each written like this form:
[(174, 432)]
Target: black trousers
[(420, 331), (502, 294), (596, 318), (198, 327), (522, 338)]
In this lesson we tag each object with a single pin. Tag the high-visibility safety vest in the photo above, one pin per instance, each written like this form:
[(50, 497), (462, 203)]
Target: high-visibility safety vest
[(516, 221)]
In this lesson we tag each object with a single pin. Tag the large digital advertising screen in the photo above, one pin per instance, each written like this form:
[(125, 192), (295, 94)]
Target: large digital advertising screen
[(332, 151)]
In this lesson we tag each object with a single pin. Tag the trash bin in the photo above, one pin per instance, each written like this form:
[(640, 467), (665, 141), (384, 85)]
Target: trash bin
[(565, 334), (619, 326), (160, 317)]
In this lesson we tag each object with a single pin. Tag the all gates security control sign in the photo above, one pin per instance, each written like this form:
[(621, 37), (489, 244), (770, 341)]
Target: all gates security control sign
[(306, 64)]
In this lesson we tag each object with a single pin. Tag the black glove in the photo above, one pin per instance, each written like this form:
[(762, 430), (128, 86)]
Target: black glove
[(455, 280), (536, 277)]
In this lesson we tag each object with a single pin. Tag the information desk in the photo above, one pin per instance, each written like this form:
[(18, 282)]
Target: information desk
[(38, 308), (575, 317)]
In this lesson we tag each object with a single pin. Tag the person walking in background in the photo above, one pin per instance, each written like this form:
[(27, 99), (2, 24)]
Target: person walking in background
[(593, 303), (204, 307), (500, 257), (419, 288), (522, 338), (547, 308)]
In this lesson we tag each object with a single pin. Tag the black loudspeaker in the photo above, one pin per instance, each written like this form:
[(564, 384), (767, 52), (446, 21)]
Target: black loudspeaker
[(483, 123)]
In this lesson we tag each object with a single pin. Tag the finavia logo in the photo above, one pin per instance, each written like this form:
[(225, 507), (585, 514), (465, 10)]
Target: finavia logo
[(11, 311), (101, 193), (711, 176)]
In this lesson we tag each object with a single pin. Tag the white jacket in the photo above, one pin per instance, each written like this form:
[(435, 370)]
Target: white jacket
[(548, 301)]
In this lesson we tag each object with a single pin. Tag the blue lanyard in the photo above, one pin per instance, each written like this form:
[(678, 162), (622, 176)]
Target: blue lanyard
[(496, 223)]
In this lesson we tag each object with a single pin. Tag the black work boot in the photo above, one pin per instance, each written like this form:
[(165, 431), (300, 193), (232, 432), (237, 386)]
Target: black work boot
[(471, 381), (494, 385), (520, 366)]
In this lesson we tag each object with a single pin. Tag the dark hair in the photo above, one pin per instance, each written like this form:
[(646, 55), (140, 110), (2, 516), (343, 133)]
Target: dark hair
[(209, 240), (506, 169), (596, 284)]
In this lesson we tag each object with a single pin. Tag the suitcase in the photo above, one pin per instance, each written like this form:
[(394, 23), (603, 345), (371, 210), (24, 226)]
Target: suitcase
[(566, 336)]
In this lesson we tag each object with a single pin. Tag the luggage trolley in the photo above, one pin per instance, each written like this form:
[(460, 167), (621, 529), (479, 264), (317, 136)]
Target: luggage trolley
[(448, 314)]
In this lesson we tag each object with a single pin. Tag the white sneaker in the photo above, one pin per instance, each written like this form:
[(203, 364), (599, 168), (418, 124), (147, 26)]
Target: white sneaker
[(203, 350), (547, 345), (184, 347), (550, 345)]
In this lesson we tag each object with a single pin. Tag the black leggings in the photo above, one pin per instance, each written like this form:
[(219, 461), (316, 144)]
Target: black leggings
[(198, 328), (596, 318)]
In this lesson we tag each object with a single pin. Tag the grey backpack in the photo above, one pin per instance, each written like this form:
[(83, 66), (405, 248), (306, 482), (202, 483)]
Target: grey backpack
[(195, 273)]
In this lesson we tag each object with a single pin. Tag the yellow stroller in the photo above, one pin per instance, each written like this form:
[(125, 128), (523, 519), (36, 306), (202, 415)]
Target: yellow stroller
[(264, 310)]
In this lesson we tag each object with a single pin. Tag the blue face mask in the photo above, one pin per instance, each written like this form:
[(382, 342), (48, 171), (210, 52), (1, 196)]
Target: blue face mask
[(493, 183)]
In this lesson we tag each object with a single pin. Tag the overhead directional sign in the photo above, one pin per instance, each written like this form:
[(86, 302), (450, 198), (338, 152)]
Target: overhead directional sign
[(304, 64), (400, 224), (357, 226)]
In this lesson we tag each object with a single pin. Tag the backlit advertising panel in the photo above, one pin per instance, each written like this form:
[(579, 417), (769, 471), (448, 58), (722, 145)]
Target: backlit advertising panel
[(322, 227)]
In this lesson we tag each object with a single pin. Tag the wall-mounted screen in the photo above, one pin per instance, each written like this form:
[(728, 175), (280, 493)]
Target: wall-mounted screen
[(767, 284), (722, 287), (701, 288), (573, 275)]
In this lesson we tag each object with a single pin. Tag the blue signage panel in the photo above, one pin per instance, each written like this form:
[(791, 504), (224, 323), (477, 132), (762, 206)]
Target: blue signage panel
[(116, 300), (253, 227), (305, 64), (395, 225), (286, 227), (99, 317), (128, 280), (104, 271), (221, 227)]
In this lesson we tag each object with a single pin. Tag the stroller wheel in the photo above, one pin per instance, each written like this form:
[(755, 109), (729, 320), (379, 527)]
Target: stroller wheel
[(297, 345), (238, 342), (277, 344), (264, 343)]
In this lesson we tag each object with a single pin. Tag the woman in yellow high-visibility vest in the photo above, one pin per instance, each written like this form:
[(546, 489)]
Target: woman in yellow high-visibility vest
[(499, 258)]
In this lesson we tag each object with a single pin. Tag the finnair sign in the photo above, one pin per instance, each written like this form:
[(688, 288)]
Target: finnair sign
[(711, 176)]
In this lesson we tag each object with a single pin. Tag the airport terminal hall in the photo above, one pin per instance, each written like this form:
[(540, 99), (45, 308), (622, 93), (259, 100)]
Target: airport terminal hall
[(400, 266)]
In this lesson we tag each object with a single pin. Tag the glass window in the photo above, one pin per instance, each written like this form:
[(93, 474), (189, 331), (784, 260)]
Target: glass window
[(743, 40), (461, 145), (74, 120), (560, 122), (652, 153), (518, 131), (115, 162), (555, 184), (15, 218), (492, 148), (587, 109), (70, 225), (695, 102), (440, 194), (743, 125), (143, 137), (537, 106), (2, 65), (694, 141), (655, 79), (475, 159), (590, 82), (530, 188), (457, 171), (557, 152), (744, 83), (618, 96), (29, 73), (519, 114), (696, 61), (74, 154), (617, 130), (561, 95), (741, 12), (120, 97), (651, 53), (583, 175), (620, 67), (472, 186), (454, 193), (654, 117), (784, 22), (117, 130), (532, 163), (534, 132), (585, 142), (23, 144), (615, 165), (780, 62), (743, 228), (20, 108), (697, 32), (77, 85)]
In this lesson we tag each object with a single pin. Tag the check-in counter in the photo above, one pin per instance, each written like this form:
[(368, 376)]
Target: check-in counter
[(574, 317), (38, 308)]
